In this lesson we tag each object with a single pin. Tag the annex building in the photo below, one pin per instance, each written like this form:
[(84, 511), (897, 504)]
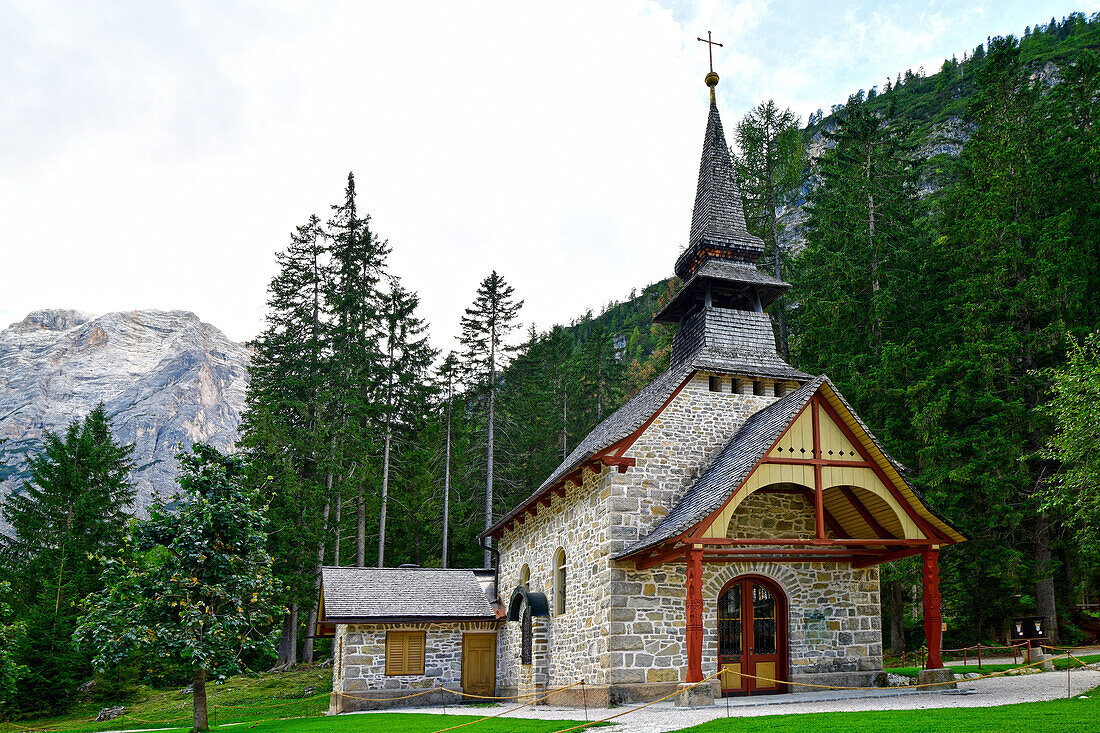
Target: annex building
[(730, 517)]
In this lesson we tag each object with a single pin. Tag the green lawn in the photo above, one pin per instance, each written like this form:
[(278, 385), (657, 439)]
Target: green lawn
[(1092, 659), (1057, 716), (408, 723)]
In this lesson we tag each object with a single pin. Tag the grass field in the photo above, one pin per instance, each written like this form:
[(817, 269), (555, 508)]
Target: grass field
[(1056, 716), (1092, 659)]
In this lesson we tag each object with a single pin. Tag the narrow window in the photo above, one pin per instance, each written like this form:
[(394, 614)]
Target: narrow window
[(758, 388), (404, 652), (526, 635), (715, 384), (738, 386), (525, 577), (559, 582)]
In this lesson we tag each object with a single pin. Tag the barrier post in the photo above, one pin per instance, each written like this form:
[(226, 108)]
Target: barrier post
[(979, 655), (1069, 665), (442, 698), (1015, 648), (584, 698)]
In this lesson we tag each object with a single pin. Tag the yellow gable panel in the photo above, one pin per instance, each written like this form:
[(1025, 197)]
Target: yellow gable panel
[(798, 441), (865, 478), (766, 474), (834, 443)]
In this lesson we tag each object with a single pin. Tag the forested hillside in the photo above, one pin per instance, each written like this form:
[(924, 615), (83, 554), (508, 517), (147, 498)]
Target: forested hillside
[(940, 286)]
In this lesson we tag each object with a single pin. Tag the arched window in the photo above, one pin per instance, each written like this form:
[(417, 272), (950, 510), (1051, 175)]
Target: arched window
[(525, 635), (559, 582), (525, 577)]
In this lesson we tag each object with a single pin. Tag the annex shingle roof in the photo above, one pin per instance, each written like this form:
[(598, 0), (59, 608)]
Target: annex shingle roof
[(405, 593), (730, 468)]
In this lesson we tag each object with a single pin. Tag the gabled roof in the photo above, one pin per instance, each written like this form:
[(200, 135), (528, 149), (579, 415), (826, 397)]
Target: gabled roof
[(352, 595), (730, 468), (743, 453), (640, 408)]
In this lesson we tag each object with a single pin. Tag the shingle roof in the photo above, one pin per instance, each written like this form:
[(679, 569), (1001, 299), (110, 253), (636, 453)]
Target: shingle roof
[(357, 594), (718, 216), (642, 406), (730, 468), (768, 287), (723, 339)]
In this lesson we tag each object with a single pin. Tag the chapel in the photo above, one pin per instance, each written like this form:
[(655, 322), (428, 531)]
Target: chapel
[(731, 517)]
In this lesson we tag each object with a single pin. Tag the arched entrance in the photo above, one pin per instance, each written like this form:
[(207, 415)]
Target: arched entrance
[(752, 636)]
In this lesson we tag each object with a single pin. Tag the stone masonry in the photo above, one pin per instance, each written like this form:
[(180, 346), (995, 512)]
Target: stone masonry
[(359, 652), (623, 630)]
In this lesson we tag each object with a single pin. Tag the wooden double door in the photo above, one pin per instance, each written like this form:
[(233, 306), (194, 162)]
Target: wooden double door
[(752, 636)]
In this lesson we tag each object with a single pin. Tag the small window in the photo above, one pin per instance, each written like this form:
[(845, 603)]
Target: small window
[(525, 577), (758, 388), (715, 384), (738, 385), (559, 582), (404, 652)]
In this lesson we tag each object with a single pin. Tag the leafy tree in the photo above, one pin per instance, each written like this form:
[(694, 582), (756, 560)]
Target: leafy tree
[(771, 168), (199, 583), (485, 326), (1075, 443)]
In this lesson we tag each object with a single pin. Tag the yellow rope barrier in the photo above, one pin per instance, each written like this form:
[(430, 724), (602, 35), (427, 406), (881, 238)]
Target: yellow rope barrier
[(387, 699), (511, 710), (634, 710)]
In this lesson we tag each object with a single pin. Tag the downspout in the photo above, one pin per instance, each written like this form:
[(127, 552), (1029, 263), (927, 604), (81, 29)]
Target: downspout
[(484, 542)]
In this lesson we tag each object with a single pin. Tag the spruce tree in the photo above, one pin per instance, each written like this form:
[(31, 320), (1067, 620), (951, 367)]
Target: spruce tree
[(408, 390), (771, 168), (485, 328)]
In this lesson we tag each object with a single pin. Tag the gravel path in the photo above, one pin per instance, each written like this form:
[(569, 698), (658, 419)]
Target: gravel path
[(664, 716)]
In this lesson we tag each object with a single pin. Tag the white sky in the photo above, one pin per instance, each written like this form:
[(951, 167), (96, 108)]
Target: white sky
[(157, 154)]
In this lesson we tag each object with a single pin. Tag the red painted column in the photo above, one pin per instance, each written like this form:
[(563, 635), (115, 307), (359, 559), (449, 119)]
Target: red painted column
[(933, 622), (695, 614)]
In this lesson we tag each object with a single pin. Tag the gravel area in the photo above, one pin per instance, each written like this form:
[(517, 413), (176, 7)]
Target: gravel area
[(665, 716)]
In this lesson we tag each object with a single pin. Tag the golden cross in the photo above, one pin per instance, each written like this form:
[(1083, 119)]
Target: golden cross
[(710, 49)]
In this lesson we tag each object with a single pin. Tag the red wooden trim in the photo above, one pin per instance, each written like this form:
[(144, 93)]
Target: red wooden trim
[(657, 558), (694, 603), (845, 542), (830, 520), (710, 518), (811, 550), (812, 461), (838, 559), (933, 622), (877, 528), (925, 527), (819, 490), (558, 491), (895, 555)]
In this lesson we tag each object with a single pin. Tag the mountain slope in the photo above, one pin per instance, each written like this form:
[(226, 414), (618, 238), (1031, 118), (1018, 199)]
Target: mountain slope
[(165, 377)]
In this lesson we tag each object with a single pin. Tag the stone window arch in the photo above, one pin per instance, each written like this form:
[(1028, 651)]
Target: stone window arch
[(559, 581), (525, 576)]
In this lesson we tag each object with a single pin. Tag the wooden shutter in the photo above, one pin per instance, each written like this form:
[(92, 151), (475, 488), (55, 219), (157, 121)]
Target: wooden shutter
[(404, 652)]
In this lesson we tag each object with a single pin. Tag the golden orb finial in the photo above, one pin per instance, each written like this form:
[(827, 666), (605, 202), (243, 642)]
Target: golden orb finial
[(711, 78)]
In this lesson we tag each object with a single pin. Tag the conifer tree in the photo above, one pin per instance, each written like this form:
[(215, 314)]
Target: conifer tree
[(771, 167), (406, 365), (358, 259), (74, 505), (485, 326)]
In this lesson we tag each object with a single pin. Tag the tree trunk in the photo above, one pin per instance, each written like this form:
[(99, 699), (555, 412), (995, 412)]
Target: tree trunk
[(288, 641), (1044, 578), (198, 688), (360, 530), (385, 497), (447, 486), (489, 467), (311, 615), (897, 616), (336, 523)]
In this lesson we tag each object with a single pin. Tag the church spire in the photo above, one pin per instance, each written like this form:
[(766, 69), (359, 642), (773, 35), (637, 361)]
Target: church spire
[(718, 221)]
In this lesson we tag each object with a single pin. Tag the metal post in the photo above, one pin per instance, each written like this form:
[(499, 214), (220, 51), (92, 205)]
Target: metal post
[(1015, 649), (979, 655), (725, 671), (1069, 659), (442, 698), (584, 697)]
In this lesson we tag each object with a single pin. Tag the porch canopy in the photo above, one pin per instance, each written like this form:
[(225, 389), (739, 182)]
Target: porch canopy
[(810, 443)]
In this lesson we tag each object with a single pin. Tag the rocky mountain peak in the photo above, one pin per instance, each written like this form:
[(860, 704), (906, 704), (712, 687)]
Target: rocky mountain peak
[(167, 379), (50, 319)]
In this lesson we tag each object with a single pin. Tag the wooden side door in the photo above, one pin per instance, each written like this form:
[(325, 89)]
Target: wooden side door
[(752, 638), (479, 663)]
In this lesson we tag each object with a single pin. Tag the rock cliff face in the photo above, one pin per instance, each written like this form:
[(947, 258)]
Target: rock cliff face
[(165, 377)]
